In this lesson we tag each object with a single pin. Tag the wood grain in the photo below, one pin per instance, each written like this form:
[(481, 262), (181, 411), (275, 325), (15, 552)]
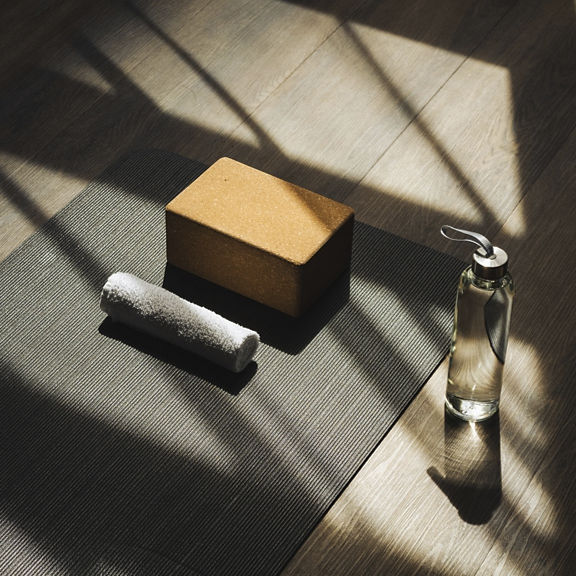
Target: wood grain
[(416, 114), (478, 146)]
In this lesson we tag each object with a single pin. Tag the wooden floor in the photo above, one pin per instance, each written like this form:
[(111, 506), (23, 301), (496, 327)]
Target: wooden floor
[(415, 113)]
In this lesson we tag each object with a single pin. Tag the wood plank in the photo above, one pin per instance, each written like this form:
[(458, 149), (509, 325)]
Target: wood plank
[(65, 82), (29, 30), (332, 120), (453, 26), (252, 64), (186, 75), (475, 149)]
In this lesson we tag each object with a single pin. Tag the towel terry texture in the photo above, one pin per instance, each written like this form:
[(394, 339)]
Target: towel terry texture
[(160, 313)]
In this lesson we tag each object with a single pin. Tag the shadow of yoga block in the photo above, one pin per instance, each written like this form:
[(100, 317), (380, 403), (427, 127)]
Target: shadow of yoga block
[(259, 236)]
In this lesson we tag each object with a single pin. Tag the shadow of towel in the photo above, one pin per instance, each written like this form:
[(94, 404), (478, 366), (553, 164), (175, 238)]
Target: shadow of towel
[(184, 360)]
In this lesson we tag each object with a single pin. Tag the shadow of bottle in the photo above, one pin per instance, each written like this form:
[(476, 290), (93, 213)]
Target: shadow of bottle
[(472, 478)]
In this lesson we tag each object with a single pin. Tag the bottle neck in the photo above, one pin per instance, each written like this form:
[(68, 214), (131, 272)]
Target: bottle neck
[(485, 284)]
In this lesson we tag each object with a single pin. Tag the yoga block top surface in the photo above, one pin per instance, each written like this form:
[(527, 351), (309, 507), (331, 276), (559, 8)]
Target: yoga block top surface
[(255, 234), (261, 210)]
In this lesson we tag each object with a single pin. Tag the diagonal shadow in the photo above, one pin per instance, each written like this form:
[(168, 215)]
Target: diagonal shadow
[(98, 496), (100, 499), (488, 215)]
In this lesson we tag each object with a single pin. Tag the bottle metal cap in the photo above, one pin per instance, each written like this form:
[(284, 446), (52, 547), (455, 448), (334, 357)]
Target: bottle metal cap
[(490, 267)]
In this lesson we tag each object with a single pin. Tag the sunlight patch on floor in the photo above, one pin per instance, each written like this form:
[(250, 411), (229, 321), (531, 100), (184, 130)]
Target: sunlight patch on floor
[(458, 152)]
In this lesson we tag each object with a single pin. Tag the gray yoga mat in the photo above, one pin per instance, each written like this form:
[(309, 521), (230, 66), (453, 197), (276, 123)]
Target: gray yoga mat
[(122, 455)]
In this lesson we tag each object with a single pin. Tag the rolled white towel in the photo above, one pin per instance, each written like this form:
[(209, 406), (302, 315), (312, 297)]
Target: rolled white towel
[(155, 311)]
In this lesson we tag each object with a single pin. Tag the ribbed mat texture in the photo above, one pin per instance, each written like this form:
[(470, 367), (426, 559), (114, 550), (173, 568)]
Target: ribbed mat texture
[(122, 455)]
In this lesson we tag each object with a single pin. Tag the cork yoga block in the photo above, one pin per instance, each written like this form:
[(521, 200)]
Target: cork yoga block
[(259, 236)]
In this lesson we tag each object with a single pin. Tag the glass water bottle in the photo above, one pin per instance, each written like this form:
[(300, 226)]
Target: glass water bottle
[(481, 327)]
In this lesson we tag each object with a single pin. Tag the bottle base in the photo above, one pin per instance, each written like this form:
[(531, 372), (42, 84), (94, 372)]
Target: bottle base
[(471, 410)]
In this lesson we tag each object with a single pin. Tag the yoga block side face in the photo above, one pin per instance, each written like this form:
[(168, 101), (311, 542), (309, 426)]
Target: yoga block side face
[(259, 236)]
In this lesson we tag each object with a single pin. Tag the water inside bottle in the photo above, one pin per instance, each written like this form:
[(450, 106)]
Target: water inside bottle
[(476, 358)]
